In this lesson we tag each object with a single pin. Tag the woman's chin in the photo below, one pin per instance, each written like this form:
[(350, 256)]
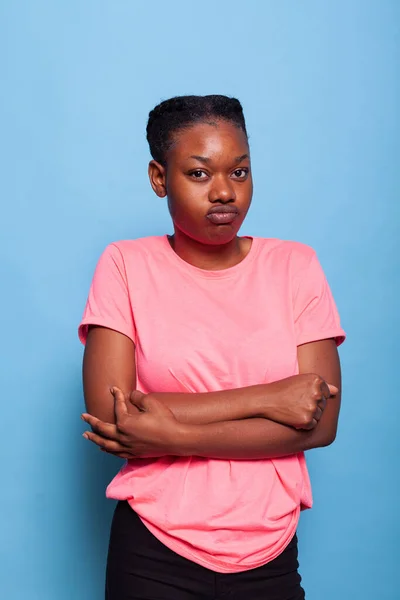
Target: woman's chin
[(216, 235), (221, 234)]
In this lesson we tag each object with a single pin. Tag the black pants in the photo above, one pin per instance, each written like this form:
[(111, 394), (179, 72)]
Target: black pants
[(141, 567)]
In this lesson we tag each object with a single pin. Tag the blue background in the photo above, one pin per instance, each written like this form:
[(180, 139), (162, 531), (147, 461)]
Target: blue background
[(319, 82)]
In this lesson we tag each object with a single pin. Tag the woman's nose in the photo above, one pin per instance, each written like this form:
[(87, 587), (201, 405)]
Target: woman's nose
[(222, 190)]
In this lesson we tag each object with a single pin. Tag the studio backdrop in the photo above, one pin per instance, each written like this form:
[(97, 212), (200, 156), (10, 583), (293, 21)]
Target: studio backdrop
[(319, 82)]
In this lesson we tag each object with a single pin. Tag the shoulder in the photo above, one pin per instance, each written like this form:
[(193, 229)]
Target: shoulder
[(127, 250), (145, 244), (295, 254)]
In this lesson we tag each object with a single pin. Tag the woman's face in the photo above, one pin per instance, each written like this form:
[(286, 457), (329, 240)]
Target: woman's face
[(207, 180)]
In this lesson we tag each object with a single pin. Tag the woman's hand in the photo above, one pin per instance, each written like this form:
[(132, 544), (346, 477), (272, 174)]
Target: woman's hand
[(144, 428), (297, 401)]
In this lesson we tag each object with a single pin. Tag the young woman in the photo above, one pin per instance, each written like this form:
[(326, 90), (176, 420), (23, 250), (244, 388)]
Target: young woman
[(211, 365)]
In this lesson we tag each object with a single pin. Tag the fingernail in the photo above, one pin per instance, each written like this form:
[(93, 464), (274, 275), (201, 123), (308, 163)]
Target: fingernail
[(85, 435), (112, 390)]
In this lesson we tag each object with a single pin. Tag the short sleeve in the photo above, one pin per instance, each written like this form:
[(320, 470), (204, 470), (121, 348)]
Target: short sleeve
[(315, 313), (108, 303)]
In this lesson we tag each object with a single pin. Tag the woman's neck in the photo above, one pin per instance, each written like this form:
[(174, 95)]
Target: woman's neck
[(210, 257)]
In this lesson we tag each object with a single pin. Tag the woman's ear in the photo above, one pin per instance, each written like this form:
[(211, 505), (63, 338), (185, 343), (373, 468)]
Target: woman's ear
[(157, 178)]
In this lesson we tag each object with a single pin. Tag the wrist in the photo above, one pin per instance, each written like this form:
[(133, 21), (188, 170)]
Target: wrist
[(264, 402), (183, 443)]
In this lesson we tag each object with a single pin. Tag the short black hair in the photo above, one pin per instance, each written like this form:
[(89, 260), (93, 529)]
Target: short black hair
[(181, 112)]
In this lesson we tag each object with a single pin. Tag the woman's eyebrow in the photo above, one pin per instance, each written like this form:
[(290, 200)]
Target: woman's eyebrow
[(239, 159), (205, 159)]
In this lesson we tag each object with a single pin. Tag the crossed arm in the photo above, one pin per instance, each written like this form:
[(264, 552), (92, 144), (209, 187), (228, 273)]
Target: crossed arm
[(261, 421)]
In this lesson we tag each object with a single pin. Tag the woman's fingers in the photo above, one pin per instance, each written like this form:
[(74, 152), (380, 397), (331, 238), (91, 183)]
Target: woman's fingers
[(310, 425), (136, 398), (107, 444), (324, 390), (333, 390), (328, 389), (322, 403), (104, 429), (318, 413), (120, 407)]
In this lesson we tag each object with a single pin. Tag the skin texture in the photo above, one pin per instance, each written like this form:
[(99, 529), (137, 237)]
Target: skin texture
[(264, 421)]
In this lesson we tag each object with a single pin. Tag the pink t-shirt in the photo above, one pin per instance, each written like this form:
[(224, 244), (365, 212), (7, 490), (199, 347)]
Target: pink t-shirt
[(201, 331)]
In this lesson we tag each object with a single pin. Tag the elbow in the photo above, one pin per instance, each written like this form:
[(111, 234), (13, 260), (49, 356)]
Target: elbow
[(320, 437), (326, 438), (103, 409)]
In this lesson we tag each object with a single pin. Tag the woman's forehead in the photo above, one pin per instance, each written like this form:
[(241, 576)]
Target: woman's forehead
[(210, 140)]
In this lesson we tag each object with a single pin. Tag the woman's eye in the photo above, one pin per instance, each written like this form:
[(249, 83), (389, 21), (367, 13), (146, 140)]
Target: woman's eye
[(240, 173), (198, 174)]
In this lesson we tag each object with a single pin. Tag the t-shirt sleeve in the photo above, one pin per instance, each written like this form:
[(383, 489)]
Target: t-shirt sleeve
[(108, 303), (315, 313)]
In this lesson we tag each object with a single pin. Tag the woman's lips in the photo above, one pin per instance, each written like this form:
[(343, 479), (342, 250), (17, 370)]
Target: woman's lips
[(222, 215), (222, 218)]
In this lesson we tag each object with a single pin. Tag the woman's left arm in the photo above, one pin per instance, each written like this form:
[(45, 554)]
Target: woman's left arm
[(322, 357), (262, 438)]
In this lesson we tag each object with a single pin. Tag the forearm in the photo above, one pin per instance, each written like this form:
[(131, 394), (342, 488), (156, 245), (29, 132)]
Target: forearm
[(215, 407), (247, 439)]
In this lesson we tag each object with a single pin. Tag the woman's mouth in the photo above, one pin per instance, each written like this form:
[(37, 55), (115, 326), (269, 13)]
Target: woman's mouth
[(222, 214)]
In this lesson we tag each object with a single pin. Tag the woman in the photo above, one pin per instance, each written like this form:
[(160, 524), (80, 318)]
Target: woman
[(211, 365)]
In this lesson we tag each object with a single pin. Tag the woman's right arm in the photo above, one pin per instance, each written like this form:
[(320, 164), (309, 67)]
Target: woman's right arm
[(109, 360)]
